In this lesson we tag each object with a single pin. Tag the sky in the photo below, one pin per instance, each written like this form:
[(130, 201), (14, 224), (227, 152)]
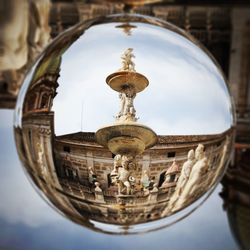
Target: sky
[(28, 222), (186, 94)]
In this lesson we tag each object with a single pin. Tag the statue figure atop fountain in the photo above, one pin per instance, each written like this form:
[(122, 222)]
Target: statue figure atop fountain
[(127, 63), (127, 112)]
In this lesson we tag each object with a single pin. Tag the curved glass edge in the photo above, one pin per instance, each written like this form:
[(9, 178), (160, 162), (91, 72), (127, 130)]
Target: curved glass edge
[(150, 226)]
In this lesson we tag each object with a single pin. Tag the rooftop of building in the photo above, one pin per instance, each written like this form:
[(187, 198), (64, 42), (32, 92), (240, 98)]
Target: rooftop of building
[(163, 140)]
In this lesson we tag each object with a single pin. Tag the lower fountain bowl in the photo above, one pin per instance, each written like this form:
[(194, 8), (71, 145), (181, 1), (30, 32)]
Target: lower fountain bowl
[(129, 137), (125, 145)]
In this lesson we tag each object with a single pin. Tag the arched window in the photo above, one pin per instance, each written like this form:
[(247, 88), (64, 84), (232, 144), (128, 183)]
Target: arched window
[(70, 174), (44, 101)]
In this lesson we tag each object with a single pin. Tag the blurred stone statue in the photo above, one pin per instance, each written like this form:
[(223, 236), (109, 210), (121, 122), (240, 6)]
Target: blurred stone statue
[(114, 172), (184, 177), (23, 34), (192, 185), (124, 185), (127, 63), (145, 180), (123, 180), (185, 172)]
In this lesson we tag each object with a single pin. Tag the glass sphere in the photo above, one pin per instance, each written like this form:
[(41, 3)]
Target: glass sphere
[(165, 100)]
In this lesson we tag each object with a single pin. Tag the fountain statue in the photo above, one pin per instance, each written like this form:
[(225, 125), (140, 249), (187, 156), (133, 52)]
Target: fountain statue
[(125, 137)]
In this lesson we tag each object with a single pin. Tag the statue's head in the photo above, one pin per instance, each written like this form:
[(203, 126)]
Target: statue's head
[(199, 151), (191, 154)]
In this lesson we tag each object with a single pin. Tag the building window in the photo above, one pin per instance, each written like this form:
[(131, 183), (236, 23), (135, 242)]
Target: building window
[(70, 173), (171, 154), (44, 101), (162, 178), (5, 86), (172, 178), (66, 149), (109, 180)]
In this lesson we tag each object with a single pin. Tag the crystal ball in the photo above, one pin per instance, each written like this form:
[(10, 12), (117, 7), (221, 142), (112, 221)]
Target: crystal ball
[(124, 124)]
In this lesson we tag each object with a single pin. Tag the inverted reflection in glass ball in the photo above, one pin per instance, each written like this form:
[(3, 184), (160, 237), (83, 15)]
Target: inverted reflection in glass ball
[(165, 102)]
